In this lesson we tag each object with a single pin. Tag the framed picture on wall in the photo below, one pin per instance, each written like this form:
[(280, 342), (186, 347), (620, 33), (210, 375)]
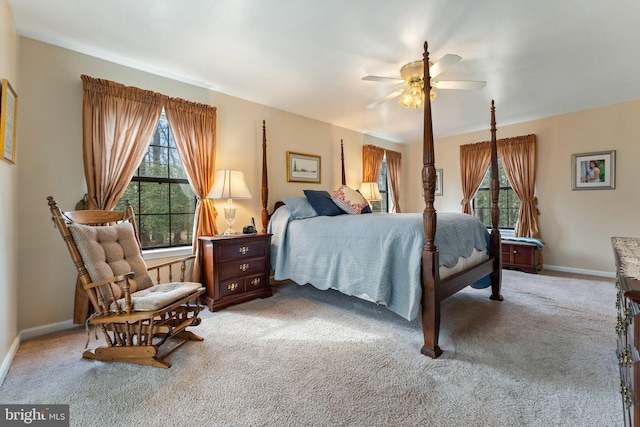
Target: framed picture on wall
[(8, 122), (438, 182), (593, 171), (303, 167)]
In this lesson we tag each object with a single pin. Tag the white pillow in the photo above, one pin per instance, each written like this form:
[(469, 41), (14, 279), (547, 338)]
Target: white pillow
[(349, 200), (300, 207)]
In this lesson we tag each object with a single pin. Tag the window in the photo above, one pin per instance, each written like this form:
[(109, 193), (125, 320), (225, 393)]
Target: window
[(508, 202), (383, 187), (160, 194)]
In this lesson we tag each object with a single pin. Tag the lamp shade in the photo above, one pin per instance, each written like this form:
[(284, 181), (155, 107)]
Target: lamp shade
[(229, 184), (369, 191)]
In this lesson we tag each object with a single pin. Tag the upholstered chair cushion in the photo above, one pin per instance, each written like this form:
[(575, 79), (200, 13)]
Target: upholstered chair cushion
[(109, 251), (159, 296)]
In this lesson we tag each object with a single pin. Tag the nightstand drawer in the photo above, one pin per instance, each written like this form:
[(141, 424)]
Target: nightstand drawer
[(242, 267), (240, 251), (255, 282), (231, 286)]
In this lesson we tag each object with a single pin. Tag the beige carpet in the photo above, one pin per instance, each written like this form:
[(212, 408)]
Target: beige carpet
[(545, 356)]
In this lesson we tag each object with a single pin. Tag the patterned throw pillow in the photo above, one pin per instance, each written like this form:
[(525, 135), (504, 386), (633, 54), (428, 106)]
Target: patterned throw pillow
[(349, 200)]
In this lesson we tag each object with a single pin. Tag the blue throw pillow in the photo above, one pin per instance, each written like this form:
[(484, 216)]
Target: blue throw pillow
[(300, 207), (322, 203)]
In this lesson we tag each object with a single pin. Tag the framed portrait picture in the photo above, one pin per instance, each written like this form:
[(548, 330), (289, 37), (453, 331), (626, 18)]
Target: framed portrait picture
[(303, 167), (438, 182), (593, 171), (8, 122)]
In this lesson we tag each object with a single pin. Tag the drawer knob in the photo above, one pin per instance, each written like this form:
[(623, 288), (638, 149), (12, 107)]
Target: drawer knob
[(244, 267), (515, 252), (232, 287), (244, 250), (256, 281)]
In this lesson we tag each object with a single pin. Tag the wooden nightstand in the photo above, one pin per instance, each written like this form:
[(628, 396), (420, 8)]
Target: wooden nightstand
[(235, 269)]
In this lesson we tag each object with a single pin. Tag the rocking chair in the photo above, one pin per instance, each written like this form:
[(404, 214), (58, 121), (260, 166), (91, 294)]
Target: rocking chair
[(135, 315)]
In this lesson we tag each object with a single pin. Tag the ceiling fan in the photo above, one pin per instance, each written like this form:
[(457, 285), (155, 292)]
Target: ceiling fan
[(412, 81)]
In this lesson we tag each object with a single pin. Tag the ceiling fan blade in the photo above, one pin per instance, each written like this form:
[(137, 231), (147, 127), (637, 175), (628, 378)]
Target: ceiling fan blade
[(385, 99), (383, 79), (443, 64), (459, 84)]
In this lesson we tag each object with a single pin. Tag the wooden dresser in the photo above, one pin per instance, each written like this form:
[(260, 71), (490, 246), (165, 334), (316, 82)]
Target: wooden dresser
[(627, 256), (235, 269)]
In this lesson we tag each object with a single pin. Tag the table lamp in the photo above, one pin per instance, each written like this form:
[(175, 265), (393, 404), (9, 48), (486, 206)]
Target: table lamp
[(229, 184), (369, 191)]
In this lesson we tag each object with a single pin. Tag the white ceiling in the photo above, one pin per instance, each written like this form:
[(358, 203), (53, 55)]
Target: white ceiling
[(540, 58)]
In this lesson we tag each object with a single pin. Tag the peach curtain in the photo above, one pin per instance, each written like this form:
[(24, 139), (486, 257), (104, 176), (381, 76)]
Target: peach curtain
[(372, 157), (474, 162), (394, 169), (194, 128), (518, 157), (117, 125)]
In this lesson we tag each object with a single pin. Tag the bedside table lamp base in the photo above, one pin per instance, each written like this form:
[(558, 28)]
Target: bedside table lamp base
[(230, 217)]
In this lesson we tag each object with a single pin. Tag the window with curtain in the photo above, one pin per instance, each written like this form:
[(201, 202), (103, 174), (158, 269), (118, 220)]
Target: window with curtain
[(383, 187), (160, 194), (508, 201)]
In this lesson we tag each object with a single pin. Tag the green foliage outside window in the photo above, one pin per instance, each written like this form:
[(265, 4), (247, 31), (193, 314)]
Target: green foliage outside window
[(160, 194), (508, 202)]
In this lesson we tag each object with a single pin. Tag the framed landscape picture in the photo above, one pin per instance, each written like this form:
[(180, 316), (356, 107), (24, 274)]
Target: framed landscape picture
[(303, 167), (593, 171), (8, 122)]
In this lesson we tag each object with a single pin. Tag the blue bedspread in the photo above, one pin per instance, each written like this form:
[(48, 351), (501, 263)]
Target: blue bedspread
[(378, 255)]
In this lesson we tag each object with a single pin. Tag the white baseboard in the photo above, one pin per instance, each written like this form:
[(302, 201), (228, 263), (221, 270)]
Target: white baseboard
[(46, 329), (609, 274), (30, 333), (6, 363)]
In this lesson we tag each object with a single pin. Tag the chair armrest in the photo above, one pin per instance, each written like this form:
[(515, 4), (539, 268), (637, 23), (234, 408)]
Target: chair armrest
[(98, 298), (109, 280), (169, 264)]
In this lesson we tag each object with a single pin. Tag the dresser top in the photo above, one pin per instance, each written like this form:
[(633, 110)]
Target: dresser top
[(628, 251)]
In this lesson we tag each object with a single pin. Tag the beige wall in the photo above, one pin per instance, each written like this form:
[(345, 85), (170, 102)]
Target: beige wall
[(9, 43), (51, 160), (576, 226)]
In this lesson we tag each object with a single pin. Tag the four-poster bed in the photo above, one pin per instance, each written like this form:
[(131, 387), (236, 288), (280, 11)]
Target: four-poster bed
[(432, 288)]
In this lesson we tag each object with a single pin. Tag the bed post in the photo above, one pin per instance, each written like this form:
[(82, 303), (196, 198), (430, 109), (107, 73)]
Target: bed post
[(495, 244), (344, 179), (430, 264), (265, 180)]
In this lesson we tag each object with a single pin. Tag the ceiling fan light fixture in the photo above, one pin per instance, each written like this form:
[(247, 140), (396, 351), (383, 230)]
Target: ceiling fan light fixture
[(413, 96)]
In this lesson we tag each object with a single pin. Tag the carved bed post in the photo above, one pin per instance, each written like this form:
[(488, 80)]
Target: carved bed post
[(265, 180), (344, 179), (430, 262), (495, 244)]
